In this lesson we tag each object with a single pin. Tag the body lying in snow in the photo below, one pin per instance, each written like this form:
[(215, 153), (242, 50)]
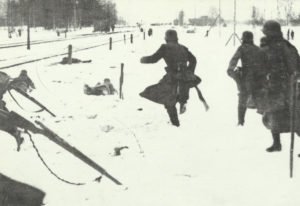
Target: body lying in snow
[(106, 88)]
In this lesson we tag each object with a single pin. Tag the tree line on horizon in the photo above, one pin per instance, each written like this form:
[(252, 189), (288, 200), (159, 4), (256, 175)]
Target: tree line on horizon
[(55, 14)]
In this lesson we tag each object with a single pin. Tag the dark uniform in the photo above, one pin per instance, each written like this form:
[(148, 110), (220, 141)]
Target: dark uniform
[(292, 34), (248, 76), (15, 193), (150, 32), (175, 85), (23, 82), (5, 123), (281, 62)]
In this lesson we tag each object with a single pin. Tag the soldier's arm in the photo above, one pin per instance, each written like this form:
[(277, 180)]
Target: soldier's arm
[(155, 57), (292, 58), (31, 84), (233, 62), (192, 62)]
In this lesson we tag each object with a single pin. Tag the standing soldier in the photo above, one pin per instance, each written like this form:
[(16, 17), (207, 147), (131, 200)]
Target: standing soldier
[(292, 34), (174, 86), (150, 32), (247, 77), (281, 63)]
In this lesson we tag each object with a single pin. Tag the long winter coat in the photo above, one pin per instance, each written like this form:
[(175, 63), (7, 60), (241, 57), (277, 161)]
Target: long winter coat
[(250, 75), (281, 62), (180, 68)]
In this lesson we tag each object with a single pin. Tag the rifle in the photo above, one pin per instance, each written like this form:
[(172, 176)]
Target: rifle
[(33, 100), (295, 82), (202, 98), (19, 121)]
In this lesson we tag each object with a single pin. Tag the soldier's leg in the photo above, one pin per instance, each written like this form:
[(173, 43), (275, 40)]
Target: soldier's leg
[(17, 135), (183, 96), (242, 107), (172, 112), (276, 146)]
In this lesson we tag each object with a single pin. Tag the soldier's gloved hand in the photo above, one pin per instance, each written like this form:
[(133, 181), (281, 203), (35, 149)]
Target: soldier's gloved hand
[(143, 60)]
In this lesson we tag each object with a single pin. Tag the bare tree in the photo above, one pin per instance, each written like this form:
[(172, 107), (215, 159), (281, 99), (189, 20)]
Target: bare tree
[(213, 12), (288, 9)]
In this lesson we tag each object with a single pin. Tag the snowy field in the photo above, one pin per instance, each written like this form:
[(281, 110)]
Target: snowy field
[(207, 161)]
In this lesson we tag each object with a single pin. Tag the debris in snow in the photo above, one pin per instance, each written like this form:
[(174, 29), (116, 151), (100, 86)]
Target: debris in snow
[(112, 67), (92, 116), (140, 109), (107, 128), (118, 150), (98, 179), (106, 88), (185, 175)]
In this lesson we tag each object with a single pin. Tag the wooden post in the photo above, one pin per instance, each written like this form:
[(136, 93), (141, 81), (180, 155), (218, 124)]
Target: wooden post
[(121, 82), (234, 22), (293, 118), (110, 43), (28, 26), (144, 35), (124, 38), (131, 38), (70, 54)]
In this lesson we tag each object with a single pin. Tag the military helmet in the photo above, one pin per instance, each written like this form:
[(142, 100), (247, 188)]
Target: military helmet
[(272, 28), (171, 35), (247, 36), (263, 41)]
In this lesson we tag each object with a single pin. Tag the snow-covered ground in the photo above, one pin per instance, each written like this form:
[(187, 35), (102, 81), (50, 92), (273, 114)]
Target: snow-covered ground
[(207, 161)]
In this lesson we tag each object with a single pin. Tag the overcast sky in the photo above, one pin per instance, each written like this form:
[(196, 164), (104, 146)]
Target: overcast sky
[(167, 10)]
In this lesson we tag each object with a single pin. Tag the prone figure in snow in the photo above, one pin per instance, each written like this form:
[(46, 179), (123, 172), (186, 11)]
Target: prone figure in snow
[(65, 60), (106, 88)]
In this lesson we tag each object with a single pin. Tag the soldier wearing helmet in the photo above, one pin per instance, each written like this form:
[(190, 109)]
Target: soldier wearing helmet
[(248, 76), (179, 78), (281, 61)]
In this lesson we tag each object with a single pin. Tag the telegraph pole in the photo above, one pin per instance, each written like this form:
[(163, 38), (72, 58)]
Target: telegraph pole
[(234, 23), (234, 34), (28, 25), (220, 18)]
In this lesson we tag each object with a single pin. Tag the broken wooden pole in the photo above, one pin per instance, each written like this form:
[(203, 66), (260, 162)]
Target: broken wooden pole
[(121, 82), (110, 43), (131, 38), (70, 54)]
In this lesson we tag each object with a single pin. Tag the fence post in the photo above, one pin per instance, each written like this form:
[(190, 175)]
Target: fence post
[(121, 82), (70, 54), (131, 38), (110, 43), (144, 36), (124, 38)]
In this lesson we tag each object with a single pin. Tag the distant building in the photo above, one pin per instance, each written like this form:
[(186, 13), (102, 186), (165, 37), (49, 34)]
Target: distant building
[(201, 21)]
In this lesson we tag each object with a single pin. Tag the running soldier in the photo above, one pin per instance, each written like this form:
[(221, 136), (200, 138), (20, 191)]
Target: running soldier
[(174, 86)]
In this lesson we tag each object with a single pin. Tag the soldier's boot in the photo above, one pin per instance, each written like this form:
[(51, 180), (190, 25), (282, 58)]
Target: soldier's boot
[(276, 146), (182, 108), (172, 112), (17, 135), (241, 115)]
